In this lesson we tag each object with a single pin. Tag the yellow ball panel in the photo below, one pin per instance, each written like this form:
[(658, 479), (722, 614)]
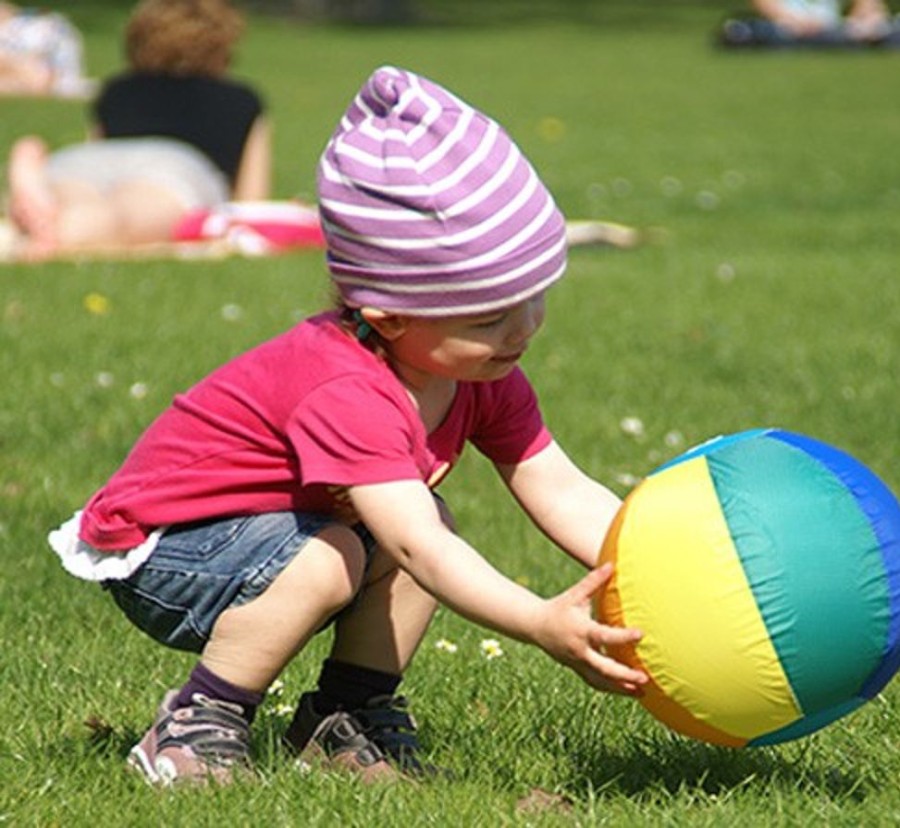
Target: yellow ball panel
[(676, 717), (678, 579)]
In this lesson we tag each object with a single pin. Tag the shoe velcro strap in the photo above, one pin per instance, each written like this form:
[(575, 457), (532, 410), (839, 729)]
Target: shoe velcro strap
[(214, 717), (213, 747), (393, 729), (211, 731), (346, 734), (388, 724), (386, 718), (396, 743)]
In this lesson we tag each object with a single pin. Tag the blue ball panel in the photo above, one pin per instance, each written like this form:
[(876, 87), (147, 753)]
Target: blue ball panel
[(881, 508)]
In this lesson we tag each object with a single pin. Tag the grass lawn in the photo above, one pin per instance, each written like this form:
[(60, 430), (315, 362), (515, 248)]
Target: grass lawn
[(769, 296)]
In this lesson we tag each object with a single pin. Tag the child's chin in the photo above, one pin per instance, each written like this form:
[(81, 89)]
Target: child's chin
[(499, 368)]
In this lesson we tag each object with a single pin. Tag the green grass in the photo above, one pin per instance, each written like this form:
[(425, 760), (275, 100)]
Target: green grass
[(770, 297)]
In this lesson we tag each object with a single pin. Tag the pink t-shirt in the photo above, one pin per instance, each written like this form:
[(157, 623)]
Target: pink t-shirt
[(288, 426)]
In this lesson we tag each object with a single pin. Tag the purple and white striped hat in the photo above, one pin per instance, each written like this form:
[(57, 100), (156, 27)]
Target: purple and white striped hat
[(428, 207)]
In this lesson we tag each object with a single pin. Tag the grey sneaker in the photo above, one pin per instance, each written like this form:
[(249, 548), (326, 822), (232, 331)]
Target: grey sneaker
[(209, 741), (386, 720), (377, 741)]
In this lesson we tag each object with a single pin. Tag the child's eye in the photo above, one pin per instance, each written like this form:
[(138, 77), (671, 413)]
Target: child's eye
[(489, 322)]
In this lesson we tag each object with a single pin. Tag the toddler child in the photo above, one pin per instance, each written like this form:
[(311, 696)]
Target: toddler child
[(294, 486)]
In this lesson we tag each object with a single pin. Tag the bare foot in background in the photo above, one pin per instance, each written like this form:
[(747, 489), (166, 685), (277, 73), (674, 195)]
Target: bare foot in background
[(32, 205)]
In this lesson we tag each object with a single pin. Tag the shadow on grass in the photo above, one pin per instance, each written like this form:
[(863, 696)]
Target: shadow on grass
[(656, 765), (97, 737), (671, 765)]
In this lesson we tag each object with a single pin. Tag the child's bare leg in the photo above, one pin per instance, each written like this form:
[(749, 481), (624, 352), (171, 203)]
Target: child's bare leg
[(355, 716), (384, 628), (32, 202), (252, 643), (201, 733)]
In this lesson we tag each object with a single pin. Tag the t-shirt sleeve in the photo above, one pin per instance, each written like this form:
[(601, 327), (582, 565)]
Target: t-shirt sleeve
[(348, 432), (256, 103), (509, 428)]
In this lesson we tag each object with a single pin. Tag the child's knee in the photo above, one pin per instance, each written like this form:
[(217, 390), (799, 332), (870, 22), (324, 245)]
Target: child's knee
[(344, 557), (326, 572)]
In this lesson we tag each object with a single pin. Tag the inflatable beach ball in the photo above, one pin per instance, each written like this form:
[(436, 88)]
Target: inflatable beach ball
[(764, 571)]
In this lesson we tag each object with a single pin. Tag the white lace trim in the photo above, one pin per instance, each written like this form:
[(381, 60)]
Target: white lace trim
[(84, 561)]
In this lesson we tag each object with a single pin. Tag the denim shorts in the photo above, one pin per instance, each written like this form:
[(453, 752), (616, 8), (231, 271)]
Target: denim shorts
[(199, 570)]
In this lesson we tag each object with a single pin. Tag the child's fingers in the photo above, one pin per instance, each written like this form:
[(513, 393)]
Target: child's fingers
[(584, 590), (613, 675), (614, 670), (582, 647), (602, 635), (608, 675)]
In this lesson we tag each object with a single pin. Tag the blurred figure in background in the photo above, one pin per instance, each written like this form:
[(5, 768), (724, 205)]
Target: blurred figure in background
[(813, 22), (40, 54), (169, 135)]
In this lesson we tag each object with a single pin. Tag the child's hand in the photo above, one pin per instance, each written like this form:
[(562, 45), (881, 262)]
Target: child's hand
[(567, 632)]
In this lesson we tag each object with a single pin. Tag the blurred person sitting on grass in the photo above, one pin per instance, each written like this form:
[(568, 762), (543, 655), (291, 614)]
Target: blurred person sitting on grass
[(171, 134), (41, 54), (294, 487), (813, 22)]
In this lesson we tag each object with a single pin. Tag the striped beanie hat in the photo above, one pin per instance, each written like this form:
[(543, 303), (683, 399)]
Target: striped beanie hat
[(428, 207)]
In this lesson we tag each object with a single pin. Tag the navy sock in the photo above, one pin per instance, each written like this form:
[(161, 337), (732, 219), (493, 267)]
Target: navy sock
[(344, 686), (205, 681)]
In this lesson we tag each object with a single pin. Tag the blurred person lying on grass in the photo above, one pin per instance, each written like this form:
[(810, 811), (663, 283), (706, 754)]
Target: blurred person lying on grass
[(171, 134), (813, 22), (41, 54)]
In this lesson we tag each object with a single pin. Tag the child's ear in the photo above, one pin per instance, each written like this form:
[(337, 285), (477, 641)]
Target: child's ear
[(389, 326)]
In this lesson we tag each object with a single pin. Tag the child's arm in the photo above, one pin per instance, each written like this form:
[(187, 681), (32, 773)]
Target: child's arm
[(405, 521), (569, 507)]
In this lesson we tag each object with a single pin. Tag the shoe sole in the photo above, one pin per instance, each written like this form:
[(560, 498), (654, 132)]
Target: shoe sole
[(140, 762)]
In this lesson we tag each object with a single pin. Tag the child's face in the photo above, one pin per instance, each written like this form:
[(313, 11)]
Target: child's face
[(473, 348)]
